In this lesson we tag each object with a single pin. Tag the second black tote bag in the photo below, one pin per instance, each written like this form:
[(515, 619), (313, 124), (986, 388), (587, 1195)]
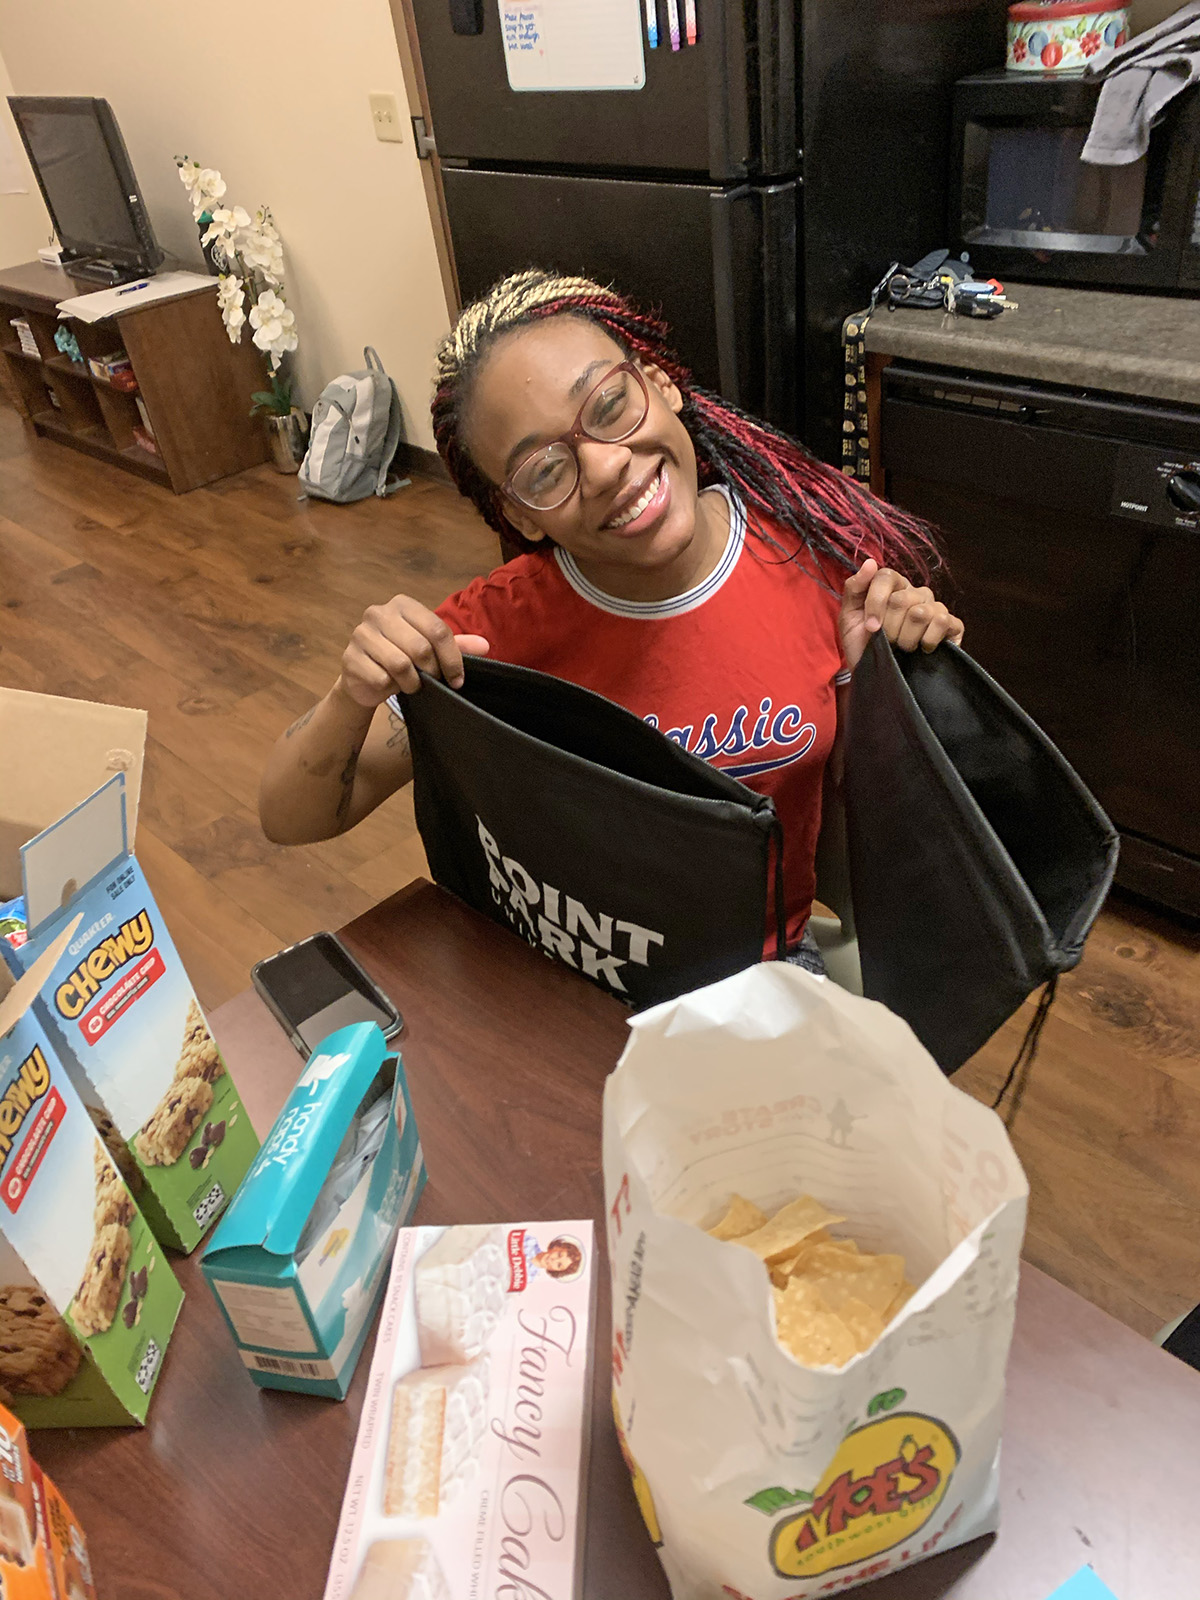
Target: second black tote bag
[(599, 840), (978, 858)]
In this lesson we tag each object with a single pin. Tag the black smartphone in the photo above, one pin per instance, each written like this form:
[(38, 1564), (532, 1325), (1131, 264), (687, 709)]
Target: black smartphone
[(316, 986)]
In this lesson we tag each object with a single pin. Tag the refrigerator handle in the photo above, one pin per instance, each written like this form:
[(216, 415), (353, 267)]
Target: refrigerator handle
[(780, 217), (730, 154), (725, 299), (778, 153)]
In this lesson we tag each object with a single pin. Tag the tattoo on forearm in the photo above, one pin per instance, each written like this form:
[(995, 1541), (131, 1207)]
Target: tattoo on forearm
[(301, 721), (398, 737), (347, 783)]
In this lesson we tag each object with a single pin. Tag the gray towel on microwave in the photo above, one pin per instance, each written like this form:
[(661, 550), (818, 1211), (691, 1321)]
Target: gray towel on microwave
[(1140, 79)]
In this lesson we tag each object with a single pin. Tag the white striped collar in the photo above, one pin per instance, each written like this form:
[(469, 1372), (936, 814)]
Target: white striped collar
[(650, 610)]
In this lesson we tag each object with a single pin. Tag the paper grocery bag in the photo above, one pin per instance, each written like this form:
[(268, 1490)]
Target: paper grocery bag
[(761, 1479)]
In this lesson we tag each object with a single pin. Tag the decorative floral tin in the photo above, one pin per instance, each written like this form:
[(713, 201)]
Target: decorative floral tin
[(1056, 35)]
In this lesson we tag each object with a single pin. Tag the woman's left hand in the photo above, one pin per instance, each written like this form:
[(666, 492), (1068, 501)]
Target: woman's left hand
[(875, 597)]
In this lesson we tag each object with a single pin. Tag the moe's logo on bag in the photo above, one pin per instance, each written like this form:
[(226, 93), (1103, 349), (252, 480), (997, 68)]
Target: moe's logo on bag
[(883, 1485)]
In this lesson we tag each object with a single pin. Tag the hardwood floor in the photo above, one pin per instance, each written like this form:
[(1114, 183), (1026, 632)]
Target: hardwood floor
[(224, 612)]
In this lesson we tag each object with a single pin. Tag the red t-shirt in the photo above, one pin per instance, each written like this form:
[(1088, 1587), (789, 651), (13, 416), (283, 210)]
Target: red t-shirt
[(740, 670)]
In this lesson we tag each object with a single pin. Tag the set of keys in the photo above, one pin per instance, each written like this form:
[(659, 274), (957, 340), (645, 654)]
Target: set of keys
[(940, 281), (973, 297)]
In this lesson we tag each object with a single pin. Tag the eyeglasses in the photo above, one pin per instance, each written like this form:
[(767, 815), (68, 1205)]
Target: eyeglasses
[(613, 410)]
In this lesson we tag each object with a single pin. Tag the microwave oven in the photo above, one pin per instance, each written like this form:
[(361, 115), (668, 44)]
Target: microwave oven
[(1024, 204)]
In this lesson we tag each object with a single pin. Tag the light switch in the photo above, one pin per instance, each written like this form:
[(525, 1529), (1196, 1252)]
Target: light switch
[(385, 114)]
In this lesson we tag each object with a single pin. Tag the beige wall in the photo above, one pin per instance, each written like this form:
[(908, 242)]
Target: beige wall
[(1145, 13), (24, 225), (276, 98)]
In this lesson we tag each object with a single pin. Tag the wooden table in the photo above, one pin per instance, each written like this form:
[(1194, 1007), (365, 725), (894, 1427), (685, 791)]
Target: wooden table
[(232, 1492)]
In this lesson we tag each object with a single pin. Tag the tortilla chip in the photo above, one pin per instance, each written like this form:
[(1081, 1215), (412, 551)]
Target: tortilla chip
[(875, 1280), (742, 1217), (808, 1329), (861, 1321), (794, 1261), (829, 1255), (832, 1300), (903, 1296), (787, 1229)]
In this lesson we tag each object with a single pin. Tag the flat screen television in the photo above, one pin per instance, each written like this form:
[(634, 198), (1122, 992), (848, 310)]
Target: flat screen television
[(83, 170)]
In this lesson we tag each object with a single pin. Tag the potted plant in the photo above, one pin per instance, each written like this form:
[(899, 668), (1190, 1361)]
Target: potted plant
[(248, 255), (287, 426)]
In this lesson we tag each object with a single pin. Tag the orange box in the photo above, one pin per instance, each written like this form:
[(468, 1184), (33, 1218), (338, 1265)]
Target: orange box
[(43, 1554)]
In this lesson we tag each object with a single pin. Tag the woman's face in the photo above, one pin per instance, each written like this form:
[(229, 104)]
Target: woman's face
[(528, 393)]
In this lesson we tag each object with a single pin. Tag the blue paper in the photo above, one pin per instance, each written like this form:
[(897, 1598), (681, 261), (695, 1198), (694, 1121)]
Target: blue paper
[(1085, 1585)]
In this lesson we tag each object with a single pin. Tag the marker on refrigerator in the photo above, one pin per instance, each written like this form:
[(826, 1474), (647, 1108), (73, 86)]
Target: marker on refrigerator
[(652, 24), (673, 22), (689, 14)]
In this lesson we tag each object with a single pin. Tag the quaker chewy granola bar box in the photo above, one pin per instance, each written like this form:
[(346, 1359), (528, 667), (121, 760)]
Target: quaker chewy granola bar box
[(87, 1300), (466, 1474), (299, 1260), (118, 1005), (43, 1553)]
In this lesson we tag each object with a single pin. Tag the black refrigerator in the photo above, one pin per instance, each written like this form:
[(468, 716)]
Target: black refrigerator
[(754, 186)]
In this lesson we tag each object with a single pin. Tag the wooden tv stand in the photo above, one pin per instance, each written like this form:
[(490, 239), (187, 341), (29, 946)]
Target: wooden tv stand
[(195, 385)]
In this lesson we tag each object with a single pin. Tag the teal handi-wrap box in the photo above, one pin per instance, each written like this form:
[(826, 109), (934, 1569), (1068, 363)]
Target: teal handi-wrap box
[(300, 1258)]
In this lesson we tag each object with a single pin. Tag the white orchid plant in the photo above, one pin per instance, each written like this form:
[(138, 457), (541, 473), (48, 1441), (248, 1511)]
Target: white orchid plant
[(248, 254)]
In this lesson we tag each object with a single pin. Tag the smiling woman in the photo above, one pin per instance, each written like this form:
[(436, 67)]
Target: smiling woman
[(681, 558)]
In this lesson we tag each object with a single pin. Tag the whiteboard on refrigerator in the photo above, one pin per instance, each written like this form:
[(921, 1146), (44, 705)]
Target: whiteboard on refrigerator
[(554, 45)]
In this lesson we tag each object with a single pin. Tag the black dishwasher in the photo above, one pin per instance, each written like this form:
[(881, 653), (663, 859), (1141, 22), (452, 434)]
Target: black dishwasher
[(1071, 526)]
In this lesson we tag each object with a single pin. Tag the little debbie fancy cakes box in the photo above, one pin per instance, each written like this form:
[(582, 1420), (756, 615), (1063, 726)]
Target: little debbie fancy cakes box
[(87, 1299), (467, 1474), (118, 1005)]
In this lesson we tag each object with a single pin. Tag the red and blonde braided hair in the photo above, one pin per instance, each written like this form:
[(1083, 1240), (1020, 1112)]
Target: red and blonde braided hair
[(831, 516)]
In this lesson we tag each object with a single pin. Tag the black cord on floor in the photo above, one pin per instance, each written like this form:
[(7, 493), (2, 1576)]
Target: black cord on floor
[(1019, 1071)]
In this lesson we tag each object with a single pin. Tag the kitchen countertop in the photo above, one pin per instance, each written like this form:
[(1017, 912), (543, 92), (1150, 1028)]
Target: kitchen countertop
[(1135, 344)]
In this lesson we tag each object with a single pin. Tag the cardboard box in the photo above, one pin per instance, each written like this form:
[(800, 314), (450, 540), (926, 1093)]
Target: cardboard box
[(87, 1300), (297, 1266), (43, 1553), (472, 1446), (118, 1005)]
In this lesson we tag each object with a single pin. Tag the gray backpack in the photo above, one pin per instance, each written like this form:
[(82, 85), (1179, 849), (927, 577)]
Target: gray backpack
[(356, 427)]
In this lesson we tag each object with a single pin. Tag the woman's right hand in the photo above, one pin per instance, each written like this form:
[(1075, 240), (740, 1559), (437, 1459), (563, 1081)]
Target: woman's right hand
[(392, 641)]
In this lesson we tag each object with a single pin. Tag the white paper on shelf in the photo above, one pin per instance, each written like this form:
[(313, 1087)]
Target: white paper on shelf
[(572, 44), (112, 302)]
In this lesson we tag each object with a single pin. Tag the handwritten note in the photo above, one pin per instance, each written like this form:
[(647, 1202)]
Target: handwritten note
[(553, 45)]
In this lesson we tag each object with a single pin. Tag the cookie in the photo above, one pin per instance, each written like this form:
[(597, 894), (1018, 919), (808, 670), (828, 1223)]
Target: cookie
[(99, 1294), (198, 1055), (175, 1119), (37, 1353), (114, 1203), (117, 1148)]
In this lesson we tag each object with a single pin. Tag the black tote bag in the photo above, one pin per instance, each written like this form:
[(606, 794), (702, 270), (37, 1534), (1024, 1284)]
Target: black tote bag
[(978, 859), (569, 820)]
